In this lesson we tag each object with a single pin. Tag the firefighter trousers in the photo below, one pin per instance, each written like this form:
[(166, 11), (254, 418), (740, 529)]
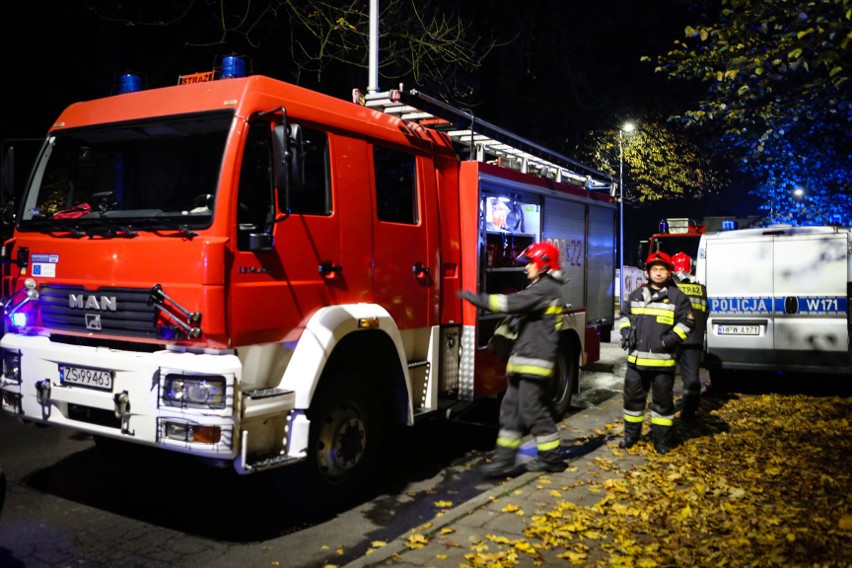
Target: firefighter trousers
[(526, 408), (637, 384), (689, 361)]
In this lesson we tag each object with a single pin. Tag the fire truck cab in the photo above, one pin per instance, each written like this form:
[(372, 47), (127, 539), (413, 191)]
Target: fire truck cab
[(260, 275)]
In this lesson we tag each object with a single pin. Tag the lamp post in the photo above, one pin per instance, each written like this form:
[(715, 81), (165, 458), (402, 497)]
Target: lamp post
[(626, 127)]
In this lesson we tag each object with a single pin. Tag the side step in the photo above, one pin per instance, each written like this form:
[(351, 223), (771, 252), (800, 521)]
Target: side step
[(259, 463), (267, 401)]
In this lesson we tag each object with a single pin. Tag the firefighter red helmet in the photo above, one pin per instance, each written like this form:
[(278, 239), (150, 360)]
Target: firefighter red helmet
[(681, 262), (544, 255), (658, 257)]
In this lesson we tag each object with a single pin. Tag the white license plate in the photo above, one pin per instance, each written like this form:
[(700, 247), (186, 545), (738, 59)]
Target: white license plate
[(738, 329), (81, 376)]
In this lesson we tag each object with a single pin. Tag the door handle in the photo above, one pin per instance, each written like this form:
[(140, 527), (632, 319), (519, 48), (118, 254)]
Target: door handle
[(420, 272), (329, 270)]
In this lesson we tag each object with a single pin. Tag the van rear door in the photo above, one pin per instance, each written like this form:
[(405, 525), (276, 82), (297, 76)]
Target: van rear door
[(738, 277), (810, 298)]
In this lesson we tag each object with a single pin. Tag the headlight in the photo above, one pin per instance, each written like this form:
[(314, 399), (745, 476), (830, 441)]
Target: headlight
[(194, 391), (12, 365)]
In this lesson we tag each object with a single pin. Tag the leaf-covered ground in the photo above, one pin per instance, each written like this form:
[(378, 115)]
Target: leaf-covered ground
[(761, 480)]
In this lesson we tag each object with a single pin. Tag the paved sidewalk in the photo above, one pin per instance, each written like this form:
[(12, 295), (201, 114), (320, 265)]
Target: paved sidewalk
[(484, 522)]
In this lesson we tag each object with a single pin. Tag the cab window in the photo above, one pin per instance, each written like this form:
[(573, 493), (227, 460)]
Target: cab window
[(396, 185)]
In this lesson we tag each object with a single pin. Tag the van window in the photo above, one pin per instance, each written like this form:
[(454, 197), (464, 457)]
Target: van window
[(396, 186)]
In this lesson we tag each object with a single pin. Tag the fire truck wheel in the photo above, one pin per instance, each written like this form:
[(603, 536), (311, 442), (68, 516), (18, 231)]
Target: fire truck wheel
[(565, 380), (345, 441)]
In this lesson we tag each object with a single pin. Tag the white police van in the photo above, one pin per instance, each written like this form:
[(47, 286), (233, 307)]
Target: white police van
[(778, 299)]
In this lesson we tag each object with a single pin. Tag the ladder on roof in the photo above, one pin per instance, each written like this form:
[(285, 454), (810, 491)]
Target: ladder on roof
[(483, 139)]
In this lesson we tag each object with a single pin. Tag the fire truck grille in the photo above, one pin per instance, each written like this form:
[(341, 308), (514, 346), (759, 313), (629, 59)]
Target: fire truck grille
[(114, 311)]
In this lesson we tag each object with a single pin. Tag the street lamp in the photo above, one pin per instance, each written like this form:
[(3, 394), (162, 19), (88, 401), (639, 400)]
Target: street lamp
[(626, 127)]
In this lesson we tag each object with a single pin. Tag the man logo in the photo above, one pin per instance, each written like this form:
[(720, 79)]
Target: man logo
[(93, 322), (102, 303)]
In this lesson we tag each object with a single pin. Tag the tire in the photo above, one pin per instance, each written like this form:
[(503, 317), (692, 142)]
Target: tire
[(564, 383), (344, 443)]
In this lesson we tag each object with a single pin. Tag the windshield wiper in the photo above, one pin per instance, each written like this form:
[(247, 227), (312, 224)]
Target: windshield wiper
[(47, 225), (109, 230), (155, 224)]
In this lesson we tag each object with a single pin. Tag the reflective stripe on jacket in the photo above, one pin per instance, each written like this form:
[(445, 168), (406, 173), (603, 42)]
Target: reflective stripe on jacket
[(697, 294), (540, 307), (663, 319)]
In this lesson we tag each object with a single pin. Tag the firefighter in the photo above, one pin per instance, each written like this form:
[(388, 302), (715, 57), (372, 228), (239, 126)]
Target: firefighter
[(689, 358), (657, 319), (526, 406)]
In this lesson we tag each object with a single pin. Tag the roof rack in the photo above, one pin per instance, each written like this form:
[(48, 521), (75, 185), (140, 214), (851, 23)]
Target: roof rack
[(482, 139)]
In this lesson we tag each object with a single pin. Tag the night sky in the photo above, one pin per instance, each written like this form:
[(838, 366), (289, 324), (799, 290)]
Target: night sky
[(573, 65)]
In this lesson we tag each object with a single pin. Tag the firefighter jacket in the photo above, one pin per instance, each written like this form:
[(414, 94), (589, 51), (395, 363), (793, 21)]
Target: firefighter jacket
[(659, 321), (540, 307), (697, 294)]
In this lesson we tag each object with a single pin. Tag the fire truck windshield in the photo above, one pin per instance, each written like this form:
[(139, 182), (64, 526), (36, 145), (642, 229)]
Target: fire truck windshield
[(164, 170)]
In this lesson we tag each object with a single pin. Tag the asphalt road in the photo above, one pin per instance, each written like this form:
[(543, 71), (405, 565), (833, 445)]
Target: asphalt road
[(69, 504)]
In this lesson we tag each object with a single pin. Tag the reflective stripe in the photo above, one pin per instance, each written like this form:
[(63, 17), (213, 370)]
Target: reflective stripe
[(528, 370), (547, 443), (530, 366), (700, 306), (635, 417), (660, 420), (498, 303), (509, 439), (682, 330), (665, 315), (654, 310), (650, 361), (623, 323), (556, 310)]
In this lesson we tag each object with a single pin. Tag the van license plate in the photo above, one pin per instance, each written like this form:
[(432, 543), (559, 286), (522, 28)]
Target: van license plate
[(738, 330), (81, 376)]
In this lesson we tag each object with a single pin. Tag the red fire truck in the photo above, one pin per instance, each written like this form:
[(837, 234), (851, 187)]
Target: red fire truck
[(261, 275)]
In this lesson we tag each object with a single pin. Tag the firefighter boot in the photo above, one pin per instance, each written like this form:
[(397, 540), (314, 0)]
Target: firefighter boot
[(502, 463), (663, 438), (632, 432), (550, 461), (690, 407)]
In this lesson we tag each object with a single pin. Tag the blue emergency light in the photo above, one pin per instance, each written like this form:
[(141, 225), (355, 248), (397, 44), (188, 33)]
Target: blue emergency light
[(129, 83), (19, 319), (233, 66)]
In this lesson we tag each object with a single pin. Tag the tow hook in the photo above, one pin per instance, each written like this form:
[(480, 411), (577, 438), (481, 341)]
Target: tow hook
[(122, 411), (122, 404), (42, 391)]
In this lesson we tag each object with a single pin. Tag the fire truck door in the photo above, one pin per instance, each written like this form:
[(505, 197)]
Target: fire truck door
[(406, 238), (273, 292)]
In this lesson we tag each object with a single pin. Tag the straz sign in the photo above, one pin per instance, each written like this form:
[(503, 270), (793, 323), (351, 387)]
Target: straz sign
[(202, 77)]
